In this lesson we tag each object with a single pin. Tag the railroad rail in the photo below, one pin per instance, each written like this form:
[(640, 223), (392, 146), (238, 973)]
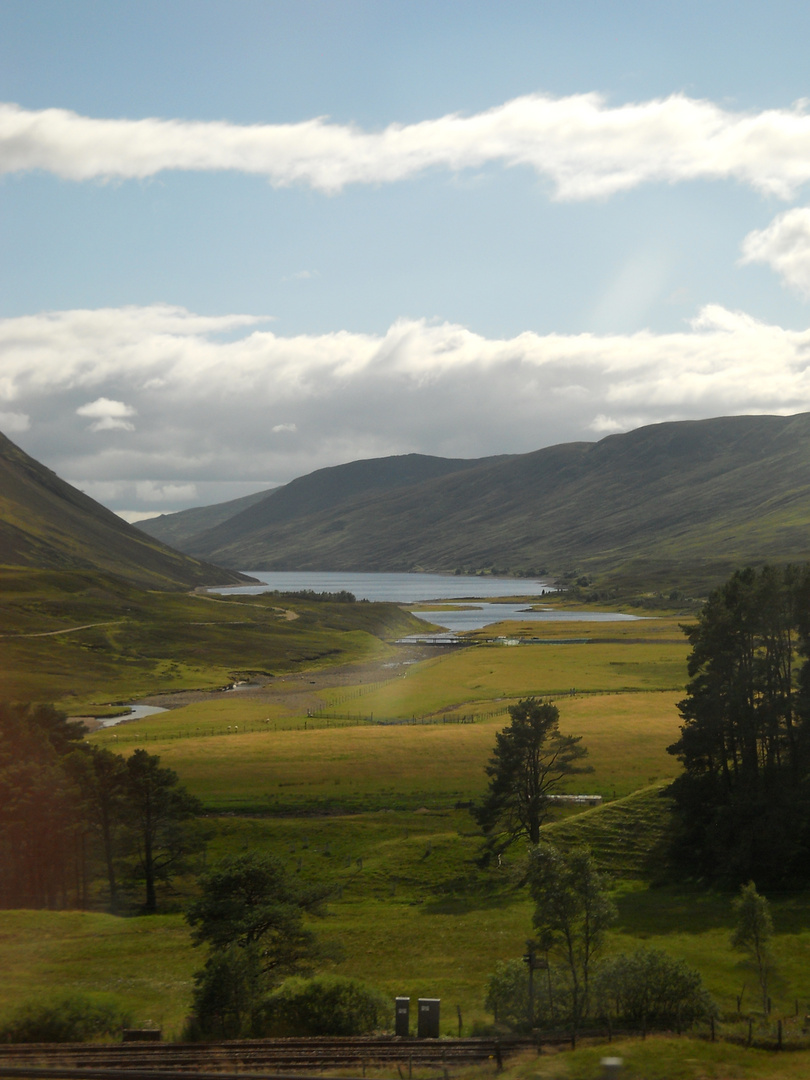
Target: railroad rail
[(150, 1059)]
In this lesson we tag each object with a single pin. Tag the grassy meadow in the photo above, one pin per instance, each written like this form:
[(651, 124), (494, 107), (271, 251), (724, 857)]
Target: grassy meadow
[(379, 810), (82, 640)]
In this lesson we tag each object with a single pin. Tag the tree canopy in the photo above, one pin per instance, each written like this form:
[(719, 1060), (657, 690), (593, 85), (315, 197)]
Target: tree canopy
[(743, 800), (251, 900), (251, 914), (531, 758), (70, 812)]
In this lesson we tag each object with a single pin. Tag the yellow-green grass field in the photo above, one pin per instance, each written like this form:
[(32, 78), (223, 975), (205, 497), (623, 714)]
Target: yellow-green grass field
[(146, 963), (370, 766), (619, 695), (442, 948), (379, 812)]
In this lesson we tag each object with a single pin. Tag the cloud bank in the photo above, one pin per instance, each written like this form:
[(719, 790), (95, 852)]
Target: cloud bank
[(586, 148), (784, 246), (219, 416)]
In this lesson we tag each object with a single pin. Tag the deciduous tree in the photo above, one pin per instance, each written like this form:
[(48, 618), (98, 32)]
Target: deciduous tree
[(649, 988), (753, 933), (573, 910)]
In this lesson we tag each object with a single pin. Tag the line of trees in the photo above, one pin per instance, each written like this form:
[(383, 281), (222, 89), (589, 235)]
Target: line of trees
[(743, 799), (73, 816)]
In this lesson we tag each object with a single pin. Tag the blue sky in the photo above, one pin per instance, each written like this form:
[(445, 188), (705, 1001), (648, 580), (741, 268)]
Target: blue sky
[(245, 240)]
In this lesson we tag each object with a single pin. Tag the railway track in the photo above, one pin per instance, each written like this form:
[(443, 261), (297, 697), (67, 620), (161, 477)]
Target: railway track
[(260, 1056)]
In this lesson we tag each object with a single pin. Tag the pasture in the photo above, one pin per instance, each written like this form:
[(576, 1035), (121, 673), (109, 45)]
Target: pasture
[(379, 810)]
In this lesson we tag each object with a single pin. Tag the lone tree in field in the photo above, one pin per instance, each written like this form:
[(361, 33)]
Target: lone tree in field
[(530, 760), (753, 933)]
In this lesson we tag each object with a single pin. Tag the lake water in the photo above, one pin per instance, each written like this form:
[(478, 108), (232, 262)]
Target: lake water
[(399, 588), (418, 588), (486, 614)]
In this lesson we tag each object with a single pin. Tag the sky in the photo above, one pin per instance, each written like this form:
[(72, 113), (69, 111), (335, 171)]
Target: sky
[(243, 240)]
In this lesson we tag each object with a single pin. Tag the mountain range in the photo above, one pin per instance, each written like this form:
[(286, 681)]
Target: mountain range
[(668, 503), (47, 524)]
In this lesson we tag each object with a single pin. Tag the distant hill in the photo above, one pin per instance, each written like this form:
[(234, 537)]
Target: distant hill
[(668, 503), (47, 524), (315, 493), (177, 529)]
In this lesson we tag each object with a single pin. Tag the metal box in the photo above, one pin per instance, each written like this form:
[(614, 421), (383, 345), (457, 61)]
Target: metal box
[(428, 1027), (403, 1016)]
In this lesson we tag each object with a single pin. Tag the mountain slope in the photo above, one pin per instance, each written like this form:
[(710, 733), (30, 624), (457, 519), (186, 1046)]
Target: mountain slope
[(217, 526), (177, 529), (47, 524), (694, 498)]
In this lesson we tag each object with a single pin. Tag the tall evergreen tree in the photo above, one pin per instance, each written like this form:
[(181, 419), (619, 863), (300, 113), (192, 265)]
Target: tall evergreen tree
[(42, 857), (742, 799), (161, 829), (530, 760)]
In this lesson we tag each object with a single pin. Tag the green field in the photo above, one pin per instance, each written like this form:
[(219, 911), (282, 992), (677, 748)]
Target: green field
[(379, 811), (81, 640)]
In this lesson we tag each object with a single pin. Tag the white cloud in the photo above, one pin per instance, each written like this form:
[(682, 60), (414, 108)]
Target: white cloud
[(109, 415), (784, 246), (134, 516), (14, 422), (606, 425), (428, 387), (585, 147), (301, 275)]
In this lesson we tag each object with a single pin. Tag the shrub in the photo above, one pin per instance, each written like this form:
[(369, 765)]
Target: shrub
[(227, 996), (648, 987), (326, 1005), (70, 1018), (508, 996)]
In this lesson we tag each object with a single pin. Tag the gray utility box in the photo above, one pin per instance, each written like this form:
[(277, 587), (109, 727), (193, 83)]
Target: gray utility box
[(429, 1018), (403, 1017)]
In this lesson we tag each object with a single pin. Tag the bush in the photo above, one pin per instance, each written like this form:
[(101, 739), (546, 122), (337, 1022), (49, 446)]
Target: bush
[(326, 1005), (227, 1000), (650, 988), (70, 1018), (508, 996)]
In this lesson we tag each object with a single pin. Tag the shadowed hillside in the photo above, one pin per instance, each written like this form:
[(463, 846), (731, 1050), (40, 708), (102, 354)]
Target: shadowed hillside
[(47, 524), (313, 494), (666, 503)]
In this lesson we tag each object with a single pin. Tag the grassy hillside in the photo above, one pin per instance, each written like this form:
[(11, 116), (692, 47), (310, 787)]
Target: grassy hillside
[(671, 505), (47, 524), (175, 529), (215, 526), (78, 639)]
